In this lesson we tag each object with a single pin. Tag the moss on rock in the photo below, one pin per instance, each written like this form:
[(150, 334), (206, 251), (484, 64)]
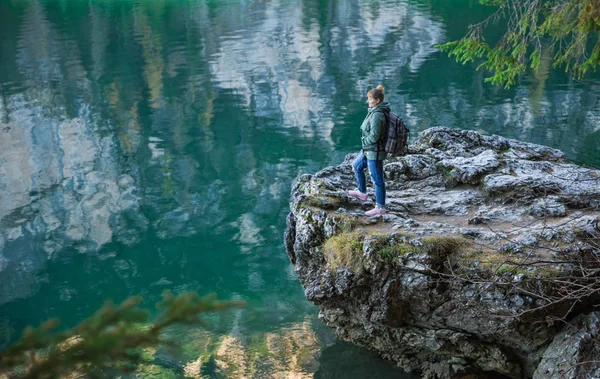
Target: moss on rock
[(345, 250)]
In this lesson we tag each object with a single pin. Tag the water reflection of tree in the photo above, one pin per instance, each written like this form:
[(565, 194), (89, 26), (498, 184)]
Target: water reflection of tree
[(590, 151), (58, 148)]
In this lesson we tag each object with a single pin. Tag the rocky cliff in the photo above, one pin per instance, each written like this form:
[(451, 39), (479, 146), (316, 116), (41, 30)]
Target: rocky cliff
[(486, 263)]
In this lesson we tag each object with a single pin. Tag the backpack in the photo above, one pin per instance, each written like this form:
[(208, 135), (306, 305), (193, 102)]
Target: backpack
[(396, 141)]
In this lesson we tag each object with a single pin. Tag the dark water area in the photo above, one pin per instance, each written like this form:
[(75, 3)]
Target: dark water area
[(151, 145)]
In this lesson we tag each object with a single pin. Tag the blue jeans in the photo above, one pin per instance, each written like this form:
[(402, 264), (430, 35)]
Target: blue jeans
[(376, 171)]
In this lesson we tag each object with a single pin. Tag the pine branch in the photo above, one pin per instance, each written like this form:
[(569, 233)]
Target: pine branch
[(567, 25), (111, 339)]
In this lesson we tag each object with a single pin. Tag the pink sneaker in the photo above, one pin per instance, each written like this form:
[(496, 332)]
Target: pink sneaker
[(376, 212), (359, 195)]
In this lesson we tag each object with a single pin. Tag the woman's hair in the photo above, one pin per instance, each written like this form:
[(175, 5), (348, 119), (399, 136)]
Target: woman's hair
[(376, 93)]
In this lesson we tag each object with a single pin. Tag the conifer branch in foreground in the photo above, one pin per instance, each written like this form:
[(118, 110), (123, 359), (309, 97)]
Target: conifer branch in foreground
[(108, 342), (566, 32)]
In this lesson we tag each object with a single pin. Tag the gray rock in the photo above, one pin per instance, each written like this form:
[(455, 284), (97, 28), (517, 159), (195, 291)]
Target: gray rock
[(487, 214), (547, 207), (470, 170), (574, 352), (418, 166), (440, 307)]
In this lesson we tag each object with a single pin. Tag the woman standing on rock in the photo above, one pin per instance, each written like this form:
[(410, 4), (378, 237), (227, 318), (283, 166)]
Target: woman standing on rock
[(374, 131)]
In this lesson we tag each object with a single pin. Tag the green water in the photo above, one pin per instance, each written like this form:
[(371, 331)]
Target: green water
[(151, 145)]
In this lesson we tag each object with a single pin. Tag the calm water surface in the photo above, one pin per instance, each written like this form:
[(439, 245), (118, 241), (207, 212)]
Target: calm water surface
[(151, 145)]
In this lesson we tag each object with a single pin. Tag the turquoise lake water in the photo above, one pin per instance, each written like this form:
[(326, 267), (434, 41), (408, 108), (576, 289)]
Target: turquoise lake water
[(151, 145)]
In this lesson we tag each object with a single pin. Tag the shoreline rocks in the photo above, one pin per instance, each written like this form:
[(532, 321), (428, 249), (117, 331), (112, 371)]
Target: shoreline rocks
[(489, 248)]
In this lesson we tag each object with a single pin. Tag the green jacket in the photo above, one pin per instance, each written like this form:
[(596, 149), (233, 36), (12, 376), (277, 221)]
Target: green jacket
[(374, 131)]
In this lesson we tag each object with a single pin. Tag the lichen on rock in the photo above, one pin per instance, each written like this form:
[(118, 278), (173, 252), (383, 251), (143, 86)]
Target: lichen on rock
[(489, 248)]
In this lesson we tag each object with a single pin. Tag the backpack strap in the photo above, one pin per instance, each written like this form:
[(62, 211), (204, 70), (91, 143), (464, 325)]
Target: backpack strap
[(381, 140), (386, 115)]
